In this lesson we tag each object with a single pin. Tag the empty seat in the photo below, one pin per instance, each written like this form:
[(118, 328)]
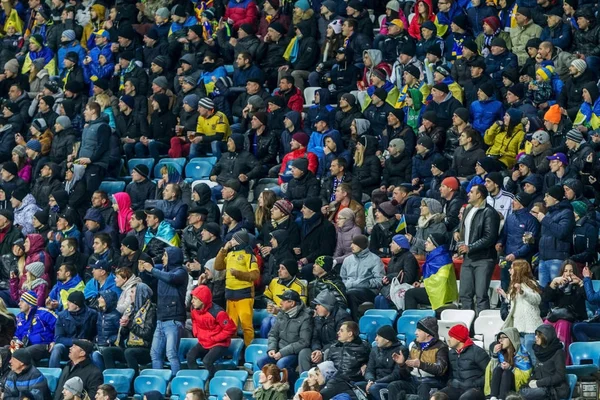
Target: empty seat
[(200, 373), (490, 313), (164, 374), (52, 376), (253, 353), (181, 384), (572, 381), (585, 357), (488, 327), (391, 314), (464, 316), (146, 383), (112, 187), (198, 169), (421, 313), (238, 373), (219, 384), (120, 379), (370, 324)]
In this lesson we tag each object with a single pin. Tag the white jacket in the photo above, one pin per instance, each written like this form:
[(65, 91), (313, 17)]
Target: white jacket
[(524, 311)]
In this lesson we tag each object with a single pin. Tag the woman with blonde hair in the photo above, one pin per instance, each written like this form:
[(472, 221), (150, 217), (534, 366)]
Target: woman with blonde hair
[(127, 282), (273, 383), (104, 101), (367, 167), (524, 298), (266, 201), (38, 77), (33, 280)]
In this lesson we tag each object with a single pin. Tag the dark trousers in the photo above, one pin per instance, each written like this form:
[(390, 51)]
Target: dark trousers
[(503, 382), (209, 357), (399, 389), (93, 175), (414, 297), (459, 394), (475, 277), (535, 393), (358, 296), (38, 352), (586, 331), (133, 356)]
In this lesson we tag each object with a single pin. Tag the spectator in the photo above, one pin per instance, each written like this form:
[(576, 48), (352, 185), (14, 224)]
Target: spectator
[(557, 230), (343, 199), (327, 278), (425, 375), (584, 234), (138, 228), (24, 378), (107, 325), (33, 278), (126, 280), (398, 166), (328, 319), (478, 232), (237, 259), (498, 198), (303, 184), (76, 322), (170, 307), (452, 201), (201, 196), (330, 382), (159, 236), (102, 279), (487, 109), (213, 328), (510, 366), (430, 222), (403, 266), (290, 334), (317, 234), (339, 173), (273, 383), (137, 329), (94, 148), (235, 200), (346, 230), (422, 161), (362, 274), (24, 207), (69, 281), (80, 365), (587, 331), (549, 373), (525, 30), (172, 206), (141, 187), (237, 164)]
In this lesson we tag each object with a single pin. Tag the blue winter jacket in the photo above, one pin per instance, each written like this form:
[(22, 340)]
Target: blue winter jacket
[(175, 212), (484, 113), (74, 47), (476, 16), (108, 320), (517, 223), (93, 288), (172, 286), (241, 76), (560, 36), (72, 325), (557, 232), (38, 326), (495, 65), (340, 151), (421, 167), (323, 109)]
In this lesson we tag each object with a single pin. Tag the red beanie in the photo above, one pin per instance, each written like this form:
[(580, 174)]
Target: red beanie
[(451, 182), (459, 332)]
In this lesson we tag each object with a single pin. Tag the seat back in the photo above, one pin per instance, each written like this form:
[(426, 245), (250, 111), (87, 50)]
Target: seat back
[(161, 163), (52, 375), (164, 374), (490, 313), (309, 95), (253, 353), (112, 187), (181, 384), (200, 373), (444, 326), (406, 326), (198, 169), (298, 384), (421, 313), (185, 345), (391, 314), (581, 351), (219, 384), (572, 381), (464, 316), (488, 326), (148, 162), (370, 324), (146, 383), (238, 373)]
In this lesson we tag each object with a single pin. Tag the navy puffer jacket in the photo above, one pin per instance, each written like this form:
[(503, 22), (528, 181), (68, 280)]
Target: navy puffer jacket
[(108, 320), (557, 232)]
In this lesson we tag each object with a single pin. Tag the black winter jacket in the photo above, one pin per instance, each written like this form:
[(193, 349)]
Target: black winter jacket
[(267, 147), (382, 368), (139, 192), (557, 232), (484, 232), (172, 286), (325, 329), (369, 173), (299, 190), (318, 240), (327, 187), (232, 164), (467, 369), (397, 170), (62, 145), (348, 358), (191, 241), (89, 374)]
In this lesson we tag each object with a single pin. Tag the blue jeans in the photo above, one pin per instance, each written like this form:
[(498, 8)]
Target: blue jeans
[(593, 63), (382, 303), (375, 390), (528, 340), (166, 340), (98, 360), (196, 150), (288, 362), (154, 149), (59, 353), (586, 331), (216, 193), (548, 270), (266, 325)]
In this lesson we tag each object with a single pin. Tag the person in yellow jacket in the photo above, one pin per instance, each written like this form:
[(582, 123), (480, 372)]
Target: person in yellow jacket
[(504, 137), (287, 279), (212, 130), (237, 259)]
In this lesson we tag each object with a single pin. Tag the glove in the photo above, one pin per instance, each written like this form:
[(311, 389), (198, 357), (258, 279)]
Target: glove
[(331, 87), (533, 384)]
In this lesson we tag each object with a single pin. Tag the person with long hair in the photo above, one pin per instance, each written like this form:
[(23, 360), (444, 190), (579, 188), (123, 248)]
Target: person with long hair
[(504, 137), (378, 196), (7, 328), (19, 157), (567, 295), (38, 77), (549, 378), (126, 281), (273, 383), (346, 230), (524, 298), (430, 221), (266, 201), (510, 366), (76, 188), (122, 205), (422, 12), (31, 280), (367, 166)]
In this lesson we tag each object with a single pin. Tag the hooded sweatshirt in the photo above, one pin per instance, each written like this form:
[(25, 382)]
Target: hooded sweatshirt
[(211, 325), (125, 212)]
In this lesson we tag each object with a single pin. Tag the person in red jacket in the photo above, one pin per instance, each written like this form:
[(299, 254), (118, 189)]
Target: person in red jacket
[(292, 95), (213, 328), (241, 12), (298, 145)]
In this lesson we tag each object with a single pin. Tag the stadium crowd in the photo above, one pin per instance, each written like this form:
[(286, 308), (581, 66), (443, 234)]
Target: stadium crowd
[(378, 155)]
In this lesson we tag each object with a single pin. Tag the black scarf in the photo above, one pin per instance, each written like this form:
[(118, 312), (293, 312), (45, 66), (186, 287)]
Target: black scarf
[(543, 354)]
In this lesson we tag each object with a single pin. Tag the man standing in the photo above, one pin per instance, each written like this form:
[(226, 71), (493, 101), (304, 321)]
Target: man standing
[(476, 237), (95, 147), (170, 308)]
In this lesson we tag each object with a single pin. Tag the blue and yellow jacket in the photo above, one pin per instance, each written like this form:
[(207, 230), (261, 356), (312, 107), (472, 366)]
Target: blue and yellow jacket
[(61, 291), (37, 326)]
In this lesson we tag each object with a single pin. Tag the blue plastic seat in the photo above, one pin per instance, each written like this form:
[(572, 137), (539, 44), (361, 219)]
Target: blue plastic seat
[(169, 161), (260, 341), (164, 374), (181, 384), (211, 159), (391, 314), (185, 345), (14, 311), (585, 357), (421, 313), (120, 379), (148, 162), (298, 384), (572, 381), (198, 169), (52, 376), (258, 316), (255, 378), (406, 326), (219, 384), (146, 383), (238, 373), (253, 353), (303, 375), (370, 324), (112, 187), (232, 357), (200, 373)]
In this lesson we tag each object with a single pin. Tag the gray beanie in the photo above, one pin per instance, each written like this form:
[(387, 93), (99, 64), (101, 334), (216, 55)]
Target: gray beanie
[(75, 386), (398, 144), (163, 12), (256, 102), (64, 121), (161, 81), (19, 150), (36, 268), (434, 206)]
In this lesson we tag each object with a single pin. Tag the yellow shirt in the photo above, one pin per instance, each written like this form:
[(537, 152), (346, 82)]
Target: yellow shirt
[(217, 123), (276, 289)]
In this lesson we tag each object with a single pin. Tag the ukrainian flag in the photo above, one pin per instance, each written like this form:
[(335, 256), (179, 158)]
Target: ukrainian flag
[(439, 277), (401, 225), (588, 116)]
